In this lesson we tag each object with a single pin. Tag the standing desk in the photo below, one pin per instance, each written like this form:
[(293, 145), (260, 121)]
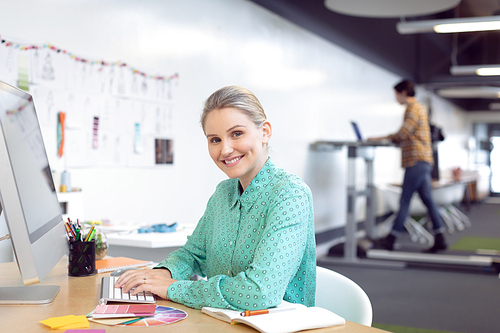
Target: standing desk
[(80, 295), (366, 150), (381, 258)]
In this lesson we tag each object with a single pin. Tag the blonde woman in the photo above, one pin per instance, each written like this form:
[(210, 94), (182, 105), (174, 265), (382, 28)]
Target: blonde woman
[(255, 242)]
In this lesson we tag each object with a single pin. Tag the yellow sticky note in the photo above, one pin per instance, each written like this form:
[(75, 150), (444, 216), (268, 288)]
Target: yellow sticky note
[(75, 326), (66, 322)]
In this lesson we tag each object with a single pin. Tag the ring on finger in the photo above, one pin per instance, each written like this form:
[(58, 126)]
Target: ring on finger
[(145, 278)]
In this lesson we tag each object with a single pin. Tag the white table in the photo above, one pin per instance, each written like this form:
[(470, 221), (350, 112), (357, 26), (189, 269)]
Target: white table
[(152, 246)]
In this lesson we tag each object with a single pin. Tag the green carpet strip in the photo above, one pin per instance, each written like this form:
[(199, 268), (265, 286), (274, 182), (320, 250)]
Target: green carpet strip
[(476, 243), (404, 329)]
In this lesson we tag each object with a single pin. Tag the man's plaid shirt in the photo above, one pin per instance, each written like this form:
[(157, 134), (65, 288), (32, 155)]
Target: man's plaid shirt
[(414, 136)]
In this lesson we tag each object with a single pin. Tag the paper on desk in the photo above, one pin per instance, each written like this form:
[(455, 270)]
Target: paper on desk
[(113, 321), (66, 322)]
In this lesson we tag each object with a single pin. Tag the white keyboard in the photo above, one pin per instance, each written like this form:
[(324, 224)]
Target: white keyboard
[(111, 294)]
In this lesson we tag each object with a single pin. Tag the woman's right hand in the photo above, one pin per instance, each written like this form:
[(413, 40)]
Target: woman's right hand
[(156, 281)]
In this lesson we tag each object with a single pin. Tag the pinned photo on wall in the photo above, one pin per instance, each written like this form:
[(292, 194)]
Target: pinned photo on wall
[(23, 72), (137, 139), (164, 150), (95, 133), (8, 64), (61, 125), (48, 72)]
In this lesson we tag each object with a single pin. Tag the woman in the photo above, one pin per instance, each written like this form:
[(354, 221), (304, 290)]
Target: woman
[(415, 139), (255, 242)]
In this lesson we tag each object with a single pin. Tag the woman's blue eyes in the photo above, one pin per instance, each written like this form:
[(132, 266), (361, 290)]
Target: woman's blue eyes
[(234, 135)]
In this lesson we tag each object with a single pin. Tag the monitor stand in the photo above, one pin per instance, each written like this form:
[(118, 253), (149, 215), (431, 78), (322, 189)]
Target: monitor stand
[(28, 294)]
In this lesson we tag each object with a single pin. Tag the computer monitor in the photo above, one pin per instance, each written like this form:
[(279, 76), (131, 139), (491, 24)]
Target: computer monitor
[(28, 199)]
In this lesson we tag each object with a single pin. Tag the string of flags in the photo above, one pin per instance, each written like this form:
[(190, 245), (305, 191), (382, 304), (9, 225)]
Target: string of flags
[(25, 47)]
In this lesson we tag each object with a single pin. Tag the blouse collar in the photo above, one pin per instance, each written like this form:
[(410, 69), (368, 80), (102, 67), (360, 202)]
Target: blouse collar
[(256, 186)]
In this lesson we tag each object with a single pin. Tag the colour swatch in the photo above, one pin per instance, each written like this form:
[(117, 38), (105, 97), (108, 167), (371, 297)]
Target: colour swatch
[(164, 315)]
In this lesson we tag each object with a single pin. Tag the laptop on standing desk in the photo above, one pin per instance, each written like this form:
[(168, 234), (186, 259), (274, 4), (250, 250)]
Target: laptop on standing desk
[(355, 127)]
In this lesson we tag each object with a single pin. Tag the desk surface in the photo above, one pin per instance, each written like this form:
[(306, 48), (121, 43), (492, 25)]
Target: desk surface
[(80, 295), (365, 143)]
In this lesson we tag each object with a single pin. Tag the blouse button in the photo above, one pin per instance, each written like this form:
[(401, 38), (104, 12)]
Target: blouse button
[(231, 243)]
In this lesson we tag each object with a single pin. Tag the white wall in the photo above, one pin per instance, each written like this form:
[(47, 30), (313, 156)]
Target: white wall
[(309, 88), (453, 151)]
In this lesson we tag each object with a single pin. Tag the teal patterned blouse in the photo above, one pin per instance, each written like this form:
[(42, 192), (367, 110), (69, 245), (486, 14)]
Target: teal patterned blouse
[(255, 249)]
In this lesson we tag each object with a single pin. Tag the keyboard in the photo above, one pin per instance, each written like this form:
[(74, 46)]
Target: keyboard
[(111, 294)]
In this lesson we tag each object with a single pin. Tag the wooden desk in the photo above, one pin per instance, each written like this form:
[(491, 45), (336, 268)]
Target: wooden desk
[(80, 295)]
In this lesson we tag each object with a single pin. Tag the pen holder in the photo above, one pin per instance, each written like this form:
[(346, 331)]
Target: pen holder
[(81, 261)]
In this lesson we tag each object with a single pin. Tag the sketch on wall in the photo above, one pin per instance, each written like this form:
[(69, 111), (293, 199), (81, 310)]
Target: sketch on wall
[(116, 116), (164, 151)]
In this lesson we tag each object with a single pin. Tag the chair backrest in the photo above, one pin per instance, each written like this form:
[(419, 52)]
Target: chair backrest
[(342, 296)]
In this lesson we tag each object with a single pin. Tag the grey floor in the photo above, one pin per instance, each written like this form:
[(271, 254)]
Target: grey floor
[(440, 298)]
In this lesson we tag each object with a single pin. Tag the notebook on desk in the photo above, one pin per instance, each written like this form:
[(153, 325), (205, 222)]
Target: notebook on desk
[(298, 318), (111, 264)]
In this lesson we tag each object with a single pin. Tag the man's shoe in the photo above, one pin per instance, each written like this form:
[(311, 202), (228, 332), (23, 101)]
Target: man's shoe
[(386, 243), (439, 244)]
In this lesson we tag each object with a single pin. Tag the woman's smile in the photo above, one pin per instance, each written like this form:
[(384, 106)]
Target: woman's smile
[(233, 160)]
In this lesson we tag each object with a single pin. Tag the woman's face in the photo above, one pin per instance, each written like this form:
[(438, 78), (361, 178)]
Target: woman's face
[(236, 144)]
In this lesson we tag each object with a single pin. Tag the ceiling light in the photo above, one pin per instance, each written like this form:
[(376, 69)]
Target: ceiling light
[(466, 24), (488, 71), (482, 70), (470, 92)]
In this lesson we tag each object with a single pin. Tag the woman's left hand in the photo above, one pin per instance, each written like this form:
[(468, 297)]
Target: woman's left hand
[(156, 281)]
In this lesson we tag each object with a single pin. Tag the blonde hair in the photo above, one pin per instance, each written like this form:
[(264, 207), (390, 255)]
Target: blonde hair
[(234, 97)]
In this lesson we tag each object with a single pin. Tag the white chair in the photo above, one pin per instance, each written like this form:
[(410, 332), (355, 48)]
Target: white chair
[(341, 295)]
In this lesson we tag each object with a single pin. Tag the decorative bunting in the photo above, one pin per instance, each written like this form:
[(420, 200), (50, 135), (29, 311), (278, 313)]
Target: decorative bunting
[(87, 61)]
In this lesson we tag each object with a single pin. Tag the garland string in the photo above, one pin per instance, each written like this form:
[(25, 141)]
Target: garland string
[(25, 47)]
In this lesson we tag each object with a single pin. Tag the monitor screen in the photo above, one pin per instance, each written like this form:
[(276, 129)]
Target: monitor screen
[(27, 194), (356, 131)]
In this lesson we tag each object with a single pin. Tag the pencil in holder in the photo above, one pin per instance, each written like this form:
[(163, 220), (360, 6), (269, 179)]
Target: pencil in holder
[(81, 260)]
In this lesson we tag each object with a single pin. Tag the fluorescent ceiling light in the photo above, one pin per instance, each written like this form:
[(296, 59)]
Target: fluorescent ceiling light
[(470, 92), (482, 70), (488, 71), (467, 24)]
